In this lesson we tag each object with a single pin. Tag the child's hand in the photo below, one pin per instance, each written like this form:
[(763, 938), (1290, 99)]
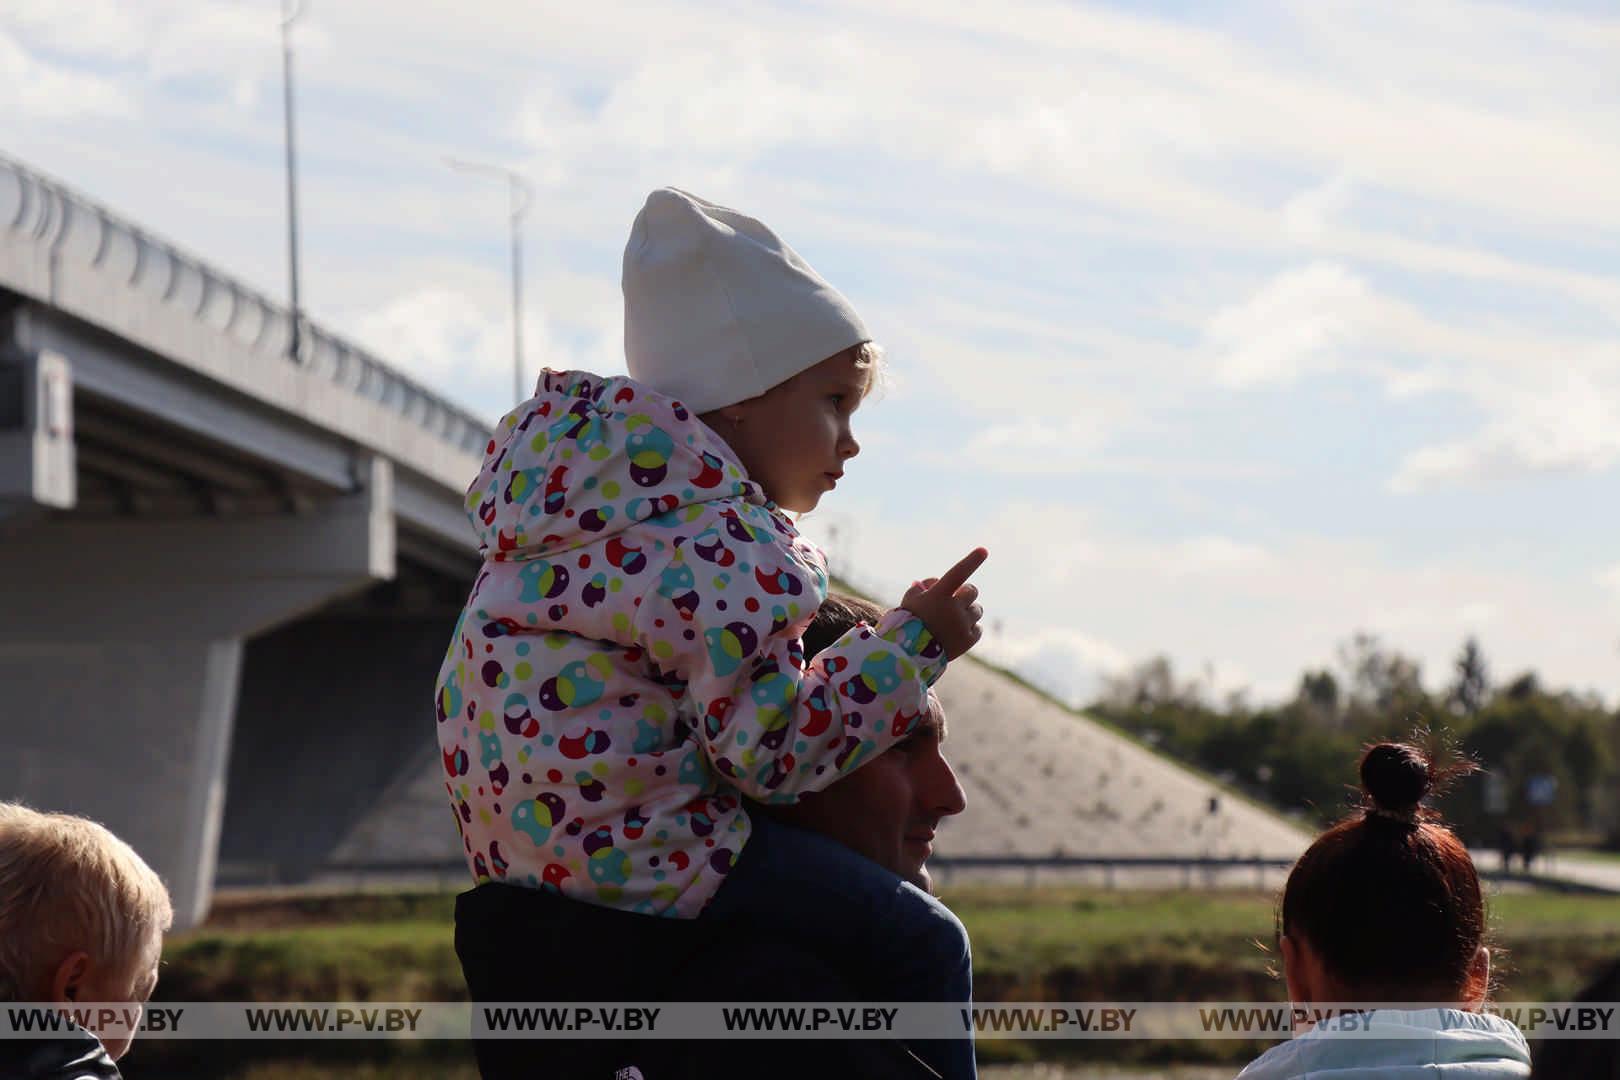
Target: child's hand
[(948, 605)]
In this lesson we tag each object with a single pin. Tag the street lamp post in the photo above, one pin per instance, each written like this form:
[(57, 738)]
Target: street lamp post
[(520, 195), (291, 10)]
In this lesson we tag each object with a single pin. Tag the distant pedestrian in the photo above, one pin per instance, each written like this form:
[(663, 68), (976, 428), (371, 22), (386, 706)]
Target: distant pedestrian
[(1531, 847)]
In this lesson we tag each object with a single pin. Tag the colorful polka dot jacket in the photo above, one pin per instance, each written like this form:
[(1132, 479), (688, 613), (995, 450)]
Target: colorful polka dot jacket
[(629, 660)]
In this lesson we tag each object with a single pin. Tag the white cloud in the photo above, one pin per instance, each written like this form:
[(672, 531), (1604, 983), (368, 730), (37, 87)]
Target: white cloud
[(1080, 593), (1568, 424), (450, 340), (1301, 322), (1068, 664), (1308, 214), (1036, 446), (1610, 579), (1548, 401), (1214, 554), (439, 335), (1478, 613), (229, 44), (48, 92), (102, 29)]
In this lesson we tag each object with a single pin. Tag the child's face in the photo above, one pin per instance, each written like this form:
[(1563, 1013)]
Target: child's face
[(133, 987), (795, 438)]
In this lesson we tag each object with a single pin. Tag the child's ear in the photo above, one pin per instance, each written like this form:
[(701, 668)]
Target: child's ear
[(69, 976)]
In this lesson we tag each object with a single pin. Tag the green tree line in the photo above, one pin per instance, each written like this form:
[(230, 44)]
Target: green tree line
[(1551, 758)]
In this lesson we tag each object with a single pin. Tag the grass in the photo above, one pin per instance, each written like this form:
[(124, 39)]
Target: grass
[(1016, 929), (398, 946), (1047, 944), (1078, 938)]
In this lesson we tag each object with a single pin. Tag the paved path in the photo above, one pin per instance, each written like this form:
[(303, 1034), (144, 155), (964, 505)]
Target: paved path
[(1593, 873)]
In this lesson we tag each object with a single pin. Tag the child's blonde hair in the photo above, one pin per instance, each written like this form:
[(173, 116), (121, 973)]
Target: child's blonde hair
[(870, 357), (66, 884)]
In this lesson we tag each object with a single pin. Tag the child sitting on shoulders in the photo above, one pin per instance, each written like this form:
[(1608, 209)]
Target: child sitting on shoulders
[(82, 919), (1386, 908), (629, 663)]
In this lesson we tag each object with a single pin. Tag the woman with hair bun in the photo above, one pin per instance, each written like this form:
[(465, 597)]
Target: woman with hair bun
[(1386, 907)]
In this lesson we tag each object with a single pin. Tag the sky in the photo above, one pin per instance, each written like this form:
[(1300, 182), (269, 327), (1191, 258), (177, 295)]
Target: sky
[(1231, 330)]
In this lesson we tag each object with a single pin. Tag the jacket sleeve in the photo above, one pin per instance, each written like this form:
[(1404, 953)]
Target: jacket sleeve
[(771, 726)]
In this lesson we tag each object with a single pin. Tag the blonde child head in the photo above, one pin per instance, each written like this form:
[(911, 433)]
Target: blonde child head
[(720, 313), (82, 916)]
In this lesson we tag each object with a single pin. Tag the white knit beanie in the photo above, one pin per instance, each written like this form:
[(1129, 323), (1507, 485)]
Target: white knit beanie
[(717, 309)]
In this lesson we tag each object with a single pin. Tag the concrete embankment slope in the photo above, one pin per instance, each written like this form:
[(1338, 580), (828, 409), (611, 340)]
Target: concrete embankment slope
[(1043, 781), (1040, 781)]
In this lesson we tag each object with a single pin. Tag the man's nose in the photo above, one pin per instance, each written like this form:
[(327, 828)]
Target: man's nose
[(941, 791)]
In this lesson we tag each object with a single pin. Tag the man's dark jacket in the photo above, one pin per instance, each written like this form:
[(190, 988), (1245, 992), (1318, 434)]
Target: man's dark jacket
[(519, 944)]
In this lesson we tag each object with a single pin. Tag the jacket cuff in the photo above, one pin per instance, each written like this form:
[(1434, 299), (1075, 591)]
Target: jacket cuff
[(901, 628)]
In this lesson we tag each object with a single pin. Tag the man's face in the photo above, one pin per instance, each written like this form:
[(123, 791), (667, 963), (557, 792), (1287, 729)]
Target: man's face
[(888, 809)]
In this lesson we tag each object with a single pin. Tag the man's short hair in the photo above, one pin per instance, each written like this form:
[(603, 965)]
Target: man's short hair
[(68, 884), (836, 617)]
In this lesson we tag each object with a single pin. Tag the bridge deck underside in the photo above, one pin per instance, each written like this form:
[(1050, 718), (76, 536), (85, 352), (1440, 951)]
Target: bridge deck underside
[(129, 465)]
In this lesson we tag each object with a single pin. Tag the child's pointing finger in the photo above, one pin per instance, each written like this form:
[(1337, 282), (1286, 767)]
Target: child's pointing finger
[(957, 575)]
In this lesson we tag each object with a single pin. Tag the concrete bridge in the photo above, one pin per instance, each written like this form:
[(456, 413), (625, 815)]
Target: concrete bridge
[(227, 574)]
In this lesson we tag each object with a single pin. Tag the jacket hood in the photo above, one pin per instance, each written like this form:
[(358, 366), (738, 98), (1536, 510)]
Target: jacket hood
[(1415, 1045), (587, 457)]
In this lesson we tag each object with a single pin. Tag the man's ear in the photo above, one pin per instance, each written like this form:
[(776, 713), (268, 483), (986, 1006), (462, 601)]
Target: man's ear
[(69, 977)]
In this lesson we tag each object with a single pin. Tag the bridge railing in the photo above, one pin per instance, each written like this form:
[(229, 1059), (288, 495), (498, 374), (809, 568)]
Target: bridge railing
[(67, 232)]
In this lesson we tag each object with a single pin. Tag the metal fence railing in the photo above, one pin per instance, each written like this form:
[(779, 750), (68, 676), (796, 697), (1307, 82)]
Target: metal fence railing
[(1108, 871), (73, 234)]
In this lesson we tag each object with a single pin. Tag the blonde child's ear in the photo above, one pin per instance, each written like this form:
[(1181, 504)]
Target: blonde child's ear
[(69, 976)]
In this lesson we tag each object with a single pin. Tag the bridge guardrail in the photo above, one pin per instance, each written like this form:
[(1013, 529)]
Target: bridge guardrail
[(62, 227)]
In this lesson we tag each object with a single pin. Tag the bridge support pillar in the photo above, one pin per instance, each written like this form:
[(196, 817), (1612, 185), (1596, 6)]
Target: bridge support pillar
[(121, 647), (344, 702)]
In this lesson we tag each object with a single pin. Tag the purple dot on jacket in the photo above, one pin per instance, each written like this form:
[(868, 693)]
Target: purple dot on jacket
[(689, 635), (660, 771), (528, 778), (721, 604)]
